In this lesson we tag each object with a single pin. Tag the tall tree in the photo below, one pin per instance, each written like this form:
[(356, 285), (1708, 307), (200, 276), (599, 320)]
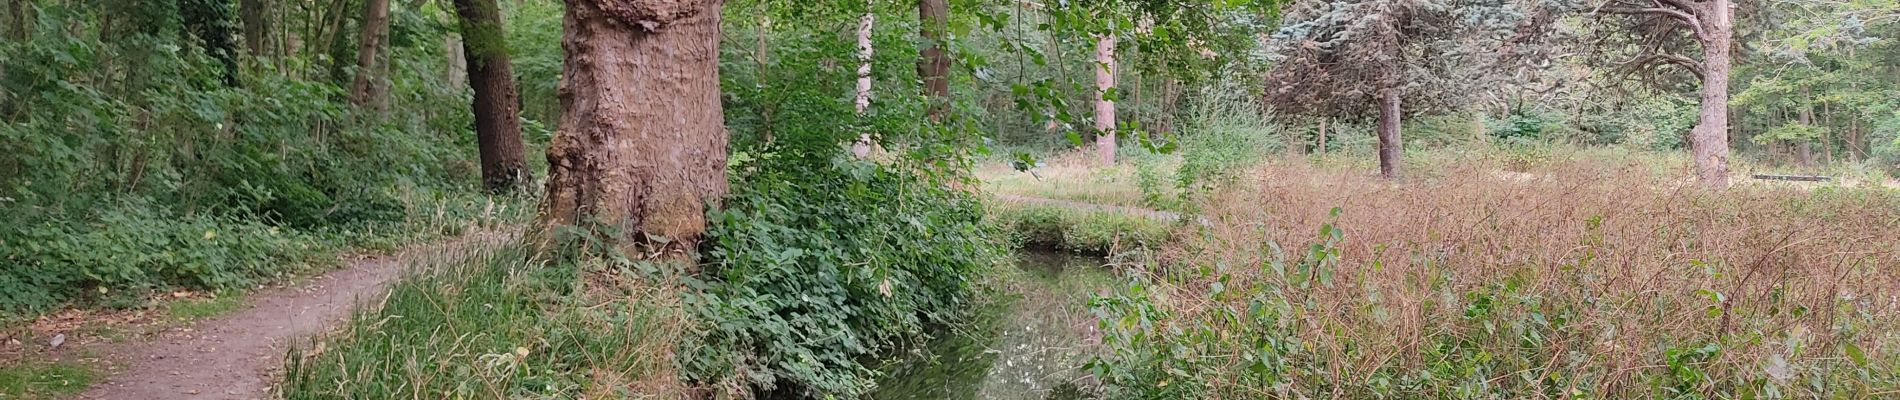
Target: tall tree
[(1104, 103), (1659, 28), (934, 66), (863, 101), (1349, 59), (368, 89), (497, 103), (1382, 59), (254, 15), (642, 139)]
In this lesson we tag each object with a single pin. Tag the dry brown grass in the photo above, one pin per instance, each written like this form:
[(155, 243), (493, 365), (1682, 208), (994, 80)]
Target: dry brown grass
[(1624, 262)]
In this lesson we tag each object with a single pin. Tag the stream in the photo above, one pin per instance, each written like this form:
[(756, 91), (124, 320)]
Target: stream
[(1029, 344)]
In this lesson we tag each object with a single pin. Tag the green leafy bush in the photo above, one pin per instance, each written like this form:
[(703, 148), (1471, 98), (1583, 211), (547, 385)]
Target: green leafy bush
[(119, 153), (813, 270)]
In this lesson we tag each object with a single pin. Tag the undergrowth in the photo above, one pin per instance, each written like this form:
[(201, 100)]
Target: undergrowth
[(506, 322), (1081, 230), (138, 167), (1586, 276), (814, 272)]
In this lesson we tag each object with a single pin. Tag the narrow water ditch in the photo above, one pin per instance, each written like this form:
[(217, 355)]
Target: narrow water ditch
[(1030, 343)]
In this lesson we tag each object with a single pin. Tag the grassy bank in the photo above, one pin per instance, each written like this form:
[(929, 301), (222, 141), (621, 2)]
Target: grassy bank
[(1593, 275), (810, 275)]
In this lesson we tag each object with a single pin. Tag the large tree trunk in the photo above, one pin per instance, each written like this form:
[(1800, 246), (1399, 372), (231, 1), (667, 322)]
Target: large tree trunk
[(1104, 107), (934, 67), (255, 16), (497, 104), (368, 89), (642, 139), (1709, 140), (863, 102), (1390, 145)]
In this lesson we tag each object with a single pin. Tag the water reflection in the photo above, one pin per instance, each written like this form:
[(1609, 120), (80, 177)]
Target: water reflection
[(1029, 344)]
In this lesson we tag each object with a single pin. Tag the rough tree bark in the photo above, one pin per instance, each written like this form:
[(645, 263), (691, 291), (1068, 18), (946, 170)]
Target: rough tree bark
[(642, 139), (368, 91), (1104, 107), (497, 103), (862, 148), (255, 16), (1390, 145), (1709, 140), (934, 67)]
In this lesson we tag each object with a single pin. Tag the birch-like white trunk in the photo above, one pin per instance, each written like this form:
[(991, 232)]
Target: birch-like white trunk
[(863, 147)]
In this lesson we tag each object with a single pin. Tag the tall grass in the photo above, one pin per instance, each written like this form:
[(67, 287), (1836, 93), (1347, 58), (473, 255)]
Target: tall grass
[(1592, 276), (500, 324)]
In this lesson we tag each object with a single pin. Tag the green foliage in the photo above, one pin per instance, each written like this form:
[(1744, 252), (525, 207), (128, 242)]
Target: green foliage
[(813, 270), (1660, 122), (43, 381), (499, 323), (1226, 132), (1522, 128), (123, 153), (1079, 230), (130, 248)]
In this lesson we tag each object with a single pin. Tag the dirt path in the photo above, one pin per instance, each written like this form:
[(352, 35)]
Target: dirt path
[(237, 356)]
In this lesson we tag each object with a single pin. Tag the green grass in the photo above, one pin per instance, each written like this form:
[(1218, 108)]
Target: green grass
[(43, 380), (197, 309), (1086, 231), (496, 325)]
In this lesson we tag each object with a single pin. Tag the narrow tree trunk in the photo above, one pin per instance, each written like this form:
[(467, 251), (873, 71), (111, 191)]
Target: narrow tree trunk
[(1170, 96), (1709, 140), (497, 104), (863, 102), (934, 67), (368, 90), (1104, 107), (1807, 120), (1390, 145), (763, 74), (458, 59), (22, 23), (1321, 148), (255, 16), (1827, 135), (642, 139)]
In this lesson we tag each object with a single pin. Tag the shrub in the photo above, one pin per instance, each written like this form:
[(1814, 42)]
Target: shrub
[(813, 269)]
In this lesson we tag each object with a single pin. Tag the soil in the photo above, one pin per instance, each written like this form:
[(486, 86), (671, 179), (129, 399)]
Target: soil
[(239, 355)]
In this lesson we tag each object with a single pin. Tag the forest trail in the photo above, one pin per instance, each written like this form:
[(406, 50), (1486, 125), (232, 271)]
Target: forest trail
[(238, 356)]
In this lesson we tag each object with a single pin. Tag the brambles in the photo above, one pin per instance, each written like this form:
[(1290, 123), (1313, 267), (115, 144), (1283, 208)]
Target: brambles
[(1581, 277)]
